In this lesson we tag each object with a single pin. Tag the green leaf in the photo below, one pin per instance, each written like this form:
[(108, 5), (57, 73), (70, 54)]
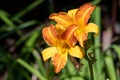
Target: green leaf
[(26, 24), (6, 20), (31, 69), (70, 68), (77, 78), (117, 49), (27, 9), (74, 78), (95, 2), (37, 56), (110, 67)]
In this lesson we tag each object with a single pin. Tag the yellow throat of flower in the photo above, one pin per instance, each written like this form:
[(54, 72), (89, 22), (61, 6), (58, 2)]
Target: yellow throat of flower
[(63, 47)]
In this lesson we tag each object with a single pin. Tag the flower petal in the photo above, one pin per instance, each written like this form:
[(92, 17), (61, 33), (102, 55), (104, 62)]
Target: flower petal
[(81, 37), (68, 35), (61, 18), (60, 28), (59, 61), (77, 52), (91, 27), (72, 13), (50, 35), (84, 12), (49, 52)]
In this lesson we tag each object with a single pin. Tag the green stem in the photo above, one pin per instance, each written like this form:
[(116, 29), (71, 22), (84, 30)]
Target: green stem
[(90, 62), (91, 70)]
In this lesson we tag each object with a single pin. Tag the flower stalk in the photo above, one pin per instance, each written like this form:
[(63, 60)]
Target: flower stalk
[(89, 57), (90, 62)]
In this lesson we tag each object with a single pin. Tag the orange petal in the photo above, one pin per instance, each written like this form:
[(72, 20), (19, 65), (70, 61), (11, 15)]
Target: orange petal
[(84, 13), (50, 35), (81, 37), (77, 52), (68, 35), (49, 52), (59, 61), (91, 27), (62, 18)]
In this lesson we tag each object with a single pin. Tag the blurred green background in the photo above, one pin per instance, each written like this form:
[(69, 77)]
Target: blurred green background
[(21, 42)]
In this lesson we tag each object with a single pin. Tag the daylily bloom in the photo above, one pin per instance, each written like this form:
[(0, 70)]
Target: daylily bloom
[(61, 43), (78, 17)]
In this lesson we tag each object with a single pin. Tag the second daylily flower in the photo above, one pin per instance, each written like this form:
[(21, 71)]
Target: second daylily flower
[(61, 43), (78, 17)]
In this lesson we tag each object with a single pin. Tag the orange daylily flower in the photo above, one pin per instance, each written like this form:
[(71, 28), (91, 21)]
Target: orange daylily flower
[(61, 43), (78, 17)]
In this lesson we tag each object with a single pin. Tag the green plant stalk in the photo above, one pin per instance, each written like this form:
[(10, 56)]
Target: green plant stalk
[(90, 66), (97, 41), (91, 70), (98, 66), (97, 21)]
